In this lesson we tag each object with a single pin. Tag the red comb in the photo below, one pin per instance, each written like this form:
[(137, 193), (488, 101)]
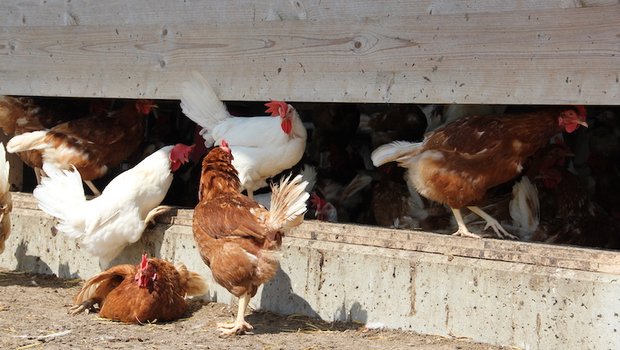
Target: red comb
[(581, 109), (224, 144), (276, 108), (316, 200), (144, 263)]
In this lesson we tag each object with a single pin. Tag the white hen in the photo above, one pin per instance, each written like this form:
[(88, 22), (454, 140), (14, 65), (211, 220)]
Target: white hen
[(6, 203), (262, 147), (106, 224)]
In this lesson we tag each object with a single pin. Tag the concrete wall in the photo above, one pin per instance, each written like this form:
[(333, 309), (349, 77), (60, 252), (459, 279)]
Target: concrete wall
[(528, 305)]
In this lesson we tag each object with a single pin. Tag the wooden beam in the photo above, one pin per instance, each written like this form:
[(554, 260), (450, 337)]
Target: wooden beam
[(24, 13), (527, 53)]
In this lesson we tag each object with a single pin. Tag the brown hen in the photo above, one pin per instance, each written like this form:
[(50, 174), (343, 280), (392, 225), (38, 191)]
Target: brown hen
[(457, 163), (236, 236), (92, 144), (152, 291)]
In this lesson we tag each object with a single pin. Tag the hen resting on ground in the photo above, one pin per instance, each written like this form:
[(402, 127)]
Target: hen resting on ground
[(236, 236), (457, 163), (153, 291)]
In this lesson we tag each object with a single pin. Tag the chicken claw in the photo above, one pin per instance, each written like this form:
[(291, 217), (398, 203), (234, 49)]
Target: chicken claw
[(86, 306), (234, 328), (462, 231), (492, 223), (150, 217), (465, 233)]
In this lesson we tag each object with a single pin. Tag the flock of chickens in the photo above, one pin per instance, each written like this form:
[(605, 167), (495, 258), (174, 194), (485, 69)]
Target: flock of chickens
[(535, 174)]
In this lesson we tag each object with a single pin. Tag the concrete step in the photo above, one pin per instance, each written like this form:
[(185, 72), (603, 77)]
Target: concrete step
[(532, 296)]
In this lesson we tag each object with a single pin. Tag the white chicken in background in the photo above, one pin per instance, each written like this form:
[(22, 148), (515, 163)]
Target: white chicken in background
[(262, 147), (308, 174), (6, 203), (524, 208), (105, 225)]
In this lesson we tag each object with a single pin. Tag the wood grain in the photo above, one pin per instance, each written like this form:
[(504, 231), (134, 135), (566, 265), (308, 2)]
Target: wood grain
[(530, 55), (140, 12)]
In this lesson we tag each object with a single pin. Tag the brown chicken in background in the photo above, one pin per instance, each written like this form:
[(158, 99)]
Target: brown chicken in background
[(394, 205), (569, 214), (19, 115), (154, 290), (236, 236), (400, 122), (457, 163), (92, 144)]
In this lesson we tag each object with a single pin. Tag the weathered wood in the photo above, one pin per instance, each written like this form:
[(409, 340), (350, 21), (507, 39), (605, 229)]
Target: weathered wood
[(556, 256), (139, 12), (536, 54)]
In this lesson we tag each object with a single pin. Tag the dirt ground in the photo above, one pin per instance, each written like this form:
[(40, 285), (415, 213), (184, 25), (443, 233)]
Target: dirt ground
[(33, 315)]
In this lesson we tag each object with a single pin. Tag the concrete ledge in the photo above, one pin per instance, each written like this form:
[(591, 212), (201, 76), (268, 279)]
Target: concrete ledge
[(507, 293)]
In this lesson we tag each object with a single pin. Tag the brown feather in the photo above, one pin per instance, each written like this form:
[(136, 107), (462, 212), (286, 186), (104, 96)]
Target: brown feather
[(121, 298), (230, 229), (460, 161)]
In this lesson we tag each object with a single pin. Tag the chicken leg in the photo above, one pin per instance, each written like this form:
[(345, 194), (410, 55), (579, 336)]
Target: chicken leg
[(240, 326), (462, 229), (492, 223), (87, 305)]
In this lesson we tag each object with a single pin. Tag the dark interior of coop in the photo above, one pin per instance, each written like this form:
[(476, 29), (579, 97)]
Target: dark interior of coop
[(578, 194)]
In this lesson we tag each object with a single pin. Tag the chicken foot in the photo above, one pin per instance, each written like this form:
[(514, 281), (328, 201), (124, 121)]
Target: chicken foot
[(87, 305), (462, 229), (492, 223), (240, 326), (150, 217)]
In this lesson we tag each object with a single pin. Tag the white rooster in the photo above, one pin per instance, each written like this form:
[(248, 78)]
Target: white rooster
[(106, 224), (262, 147)]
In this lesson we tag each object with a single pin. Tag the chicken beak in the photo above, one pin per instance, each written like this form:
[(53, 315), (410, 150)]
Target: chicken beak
[(583, 123)]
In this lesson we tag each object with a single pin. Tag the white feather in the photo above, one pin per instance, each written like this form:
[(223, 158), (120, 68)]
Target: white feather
[(256, 158), (106, 224), (27, 141), (394, 151), (288, 203), (4, 172), (200, 103), (525, 208)]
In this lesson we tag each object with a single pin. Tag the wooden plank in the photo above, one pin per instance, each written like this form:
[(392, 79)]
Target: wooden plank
[(573, 258), (140, 12), (547, 57)]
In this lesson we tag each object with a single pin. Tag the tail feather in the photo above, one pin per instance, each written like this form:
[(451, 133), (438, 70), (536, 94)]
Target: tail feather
[(359, 182), (60, 194), (288, 203), (97, 287), (308, 172), (192, 282), (27, 141), (395, 152), (525, 208), (200, 103)]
